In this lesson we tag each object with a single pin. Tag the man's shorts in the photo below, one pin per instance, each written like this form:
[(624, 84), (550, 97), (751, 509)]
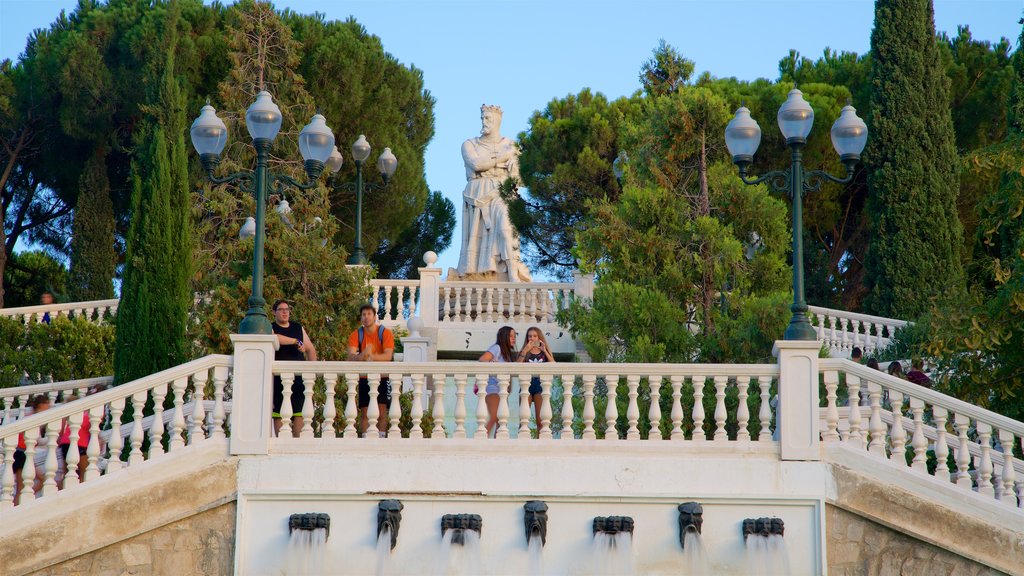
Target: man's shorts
[(383, 392), (298, 398)]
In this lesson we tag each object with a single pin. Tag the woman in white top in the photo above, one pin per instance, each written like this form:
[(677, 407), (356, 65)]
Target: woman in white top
[(503, 350)]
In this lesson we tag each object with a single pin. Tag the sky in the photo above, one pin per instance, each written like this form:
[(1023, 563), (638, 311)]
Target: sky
[(522, 54)]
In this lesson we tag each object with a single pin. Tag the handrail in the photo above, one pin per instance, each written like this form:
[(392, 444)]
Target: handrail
[(930, 396), (394, 282), (64, 307), (100, 399), (54, 387), (858, 316), (516, 368), (512, 285)]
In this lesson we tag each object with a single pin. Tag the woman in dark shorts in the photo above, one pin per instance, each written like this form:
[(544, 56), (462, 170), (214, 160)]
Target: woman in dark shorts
[(535, 350), (293, 344)]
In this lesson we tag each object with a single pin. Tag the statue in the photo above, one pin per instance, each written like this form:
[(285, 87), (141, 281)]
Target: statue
[(490, 247)]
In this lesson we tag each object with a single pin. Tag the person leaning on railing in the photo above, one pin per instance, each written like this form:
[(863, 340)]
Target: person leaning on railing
[(372, 343), (535, 350), (294, 344), (503, 350)]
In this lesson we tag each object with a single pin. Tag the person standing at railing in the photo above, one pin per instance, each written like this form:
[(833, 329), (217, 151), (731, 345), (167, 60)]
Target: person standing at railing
[(535, 350), (372, 342), (917, 375), (503, 350), (294, 344), (36, 404), (46, 300), (856, 354)]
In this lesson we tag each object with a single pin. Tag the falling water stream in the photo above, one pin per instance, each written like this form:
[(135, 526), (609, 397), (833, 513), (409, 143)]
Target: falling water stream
[(383, 551), (305, 555), (535, 549), (459, 559), (613, 554), (695, 558), (766, 555)]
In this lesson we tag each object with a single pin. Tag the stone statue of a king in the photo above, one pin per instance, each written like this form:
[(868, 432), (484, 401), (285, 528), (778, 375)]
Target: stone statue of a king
[(490, 246)]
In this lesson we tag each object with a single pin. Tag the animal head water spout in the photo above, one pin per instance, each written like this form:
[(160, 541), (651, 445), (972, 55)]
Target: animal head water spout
[(535, 518), (389, 516), (691, 520)]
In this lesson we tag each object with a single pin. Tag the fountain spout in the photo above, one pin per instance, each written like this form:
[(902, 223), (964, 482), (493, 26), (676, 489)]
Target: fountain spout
[(613, 525), (535, 518), (763, 527), (310, 522), (691, 519), (389, 516), (459, 523)]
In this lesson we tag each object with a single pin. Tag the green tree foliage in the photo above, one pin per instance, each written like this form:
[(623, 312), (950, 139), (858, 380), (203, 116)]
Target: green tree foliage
[(31, 273), (65, 349), (666, 71), (156, 295), (565, 162), (916, 237), (93, 255), (431, 230)]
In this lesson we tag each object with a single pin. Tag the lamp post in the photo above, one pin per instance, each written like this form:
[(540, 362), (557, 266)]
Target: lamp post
[(263, 119), (386, 165), (795, 117)]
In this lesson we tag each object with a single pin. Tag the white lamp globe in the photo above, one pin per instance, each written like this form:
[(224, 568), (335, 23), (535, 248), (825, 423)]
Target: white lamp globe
[(316, 141), (263, 118), (248, 229), (796, 117), (849, 134), (209, 134), (387, 163), (334, 161), (360, 149), (742, 136)]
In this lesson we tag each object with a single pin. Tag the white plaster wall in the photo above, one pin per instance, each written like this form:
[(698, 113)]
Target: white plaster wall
[(495, 478)]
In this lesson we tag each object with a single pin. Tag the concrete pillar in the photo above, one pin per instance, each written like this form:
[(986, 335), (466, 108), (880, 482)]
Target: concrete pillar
[(430, 289), (583, 285), (797, 413), (252, 400)]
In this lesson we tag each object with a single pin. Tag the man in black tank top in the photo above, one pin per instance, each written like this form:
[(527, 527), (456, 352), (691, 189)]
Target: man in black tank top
[(294, 344)]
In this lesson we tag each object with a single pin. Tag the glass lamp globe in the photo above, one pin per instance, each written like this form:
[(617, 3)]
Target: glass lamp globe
[(334, 161), (248, 229), (361, 149), (617, 165), (263, 118), (209, 134), (316, 141), (742, 136), (849, 134), (387, 163), (796, 117)]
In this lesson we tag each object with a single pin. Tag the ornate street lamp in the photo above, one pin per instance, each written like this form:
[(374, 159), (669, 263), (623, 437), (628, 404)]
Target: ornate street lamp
[(386, 165), (849, 135), (263, 119)]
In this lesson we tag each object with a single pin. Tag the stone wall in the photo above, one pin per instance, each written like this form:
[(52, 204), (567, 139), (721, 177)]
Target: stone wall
[(200, 545), (859, 547)]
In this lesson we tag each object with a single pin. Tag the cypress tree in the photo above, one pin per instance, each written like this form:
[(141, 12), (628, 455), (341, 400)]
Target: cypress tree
[(913, 179), (93, 257), (156, 294)]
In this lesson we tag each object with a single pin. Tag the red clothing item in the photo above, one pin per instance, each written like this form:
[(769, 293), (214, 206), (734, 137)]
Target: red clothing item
[(83, 432)]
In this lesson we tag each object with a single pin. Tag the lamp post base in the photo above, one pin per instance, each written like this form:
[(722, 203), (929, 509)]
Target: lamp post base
[(800, 328), (356, 259), (255, 322)]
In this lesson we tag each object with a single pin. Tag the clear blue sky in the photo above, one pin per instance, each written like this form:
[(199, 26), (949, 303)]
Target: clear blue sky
[(522, 54)]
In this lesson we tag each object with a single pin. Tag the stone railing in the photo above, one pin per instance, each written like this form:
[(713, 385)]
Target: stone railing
[(842, 331), (191, 383), (99, 310), (922, 430), (502, 302), (14, 400), (395, 300)]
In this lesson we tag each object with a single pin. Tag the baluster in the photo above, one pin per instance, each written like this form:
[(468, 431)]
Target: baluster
[(73, 457), (589, 412), (503, 385), (742, 410), (1009, 475), (857, 326), (764, 412), (963, 455), (387, 304), (416, 411), (611, 413), (460, 405), (92, 450), (462, 303), (831, 433), (156, 430), (698, 408), (833, 342), (654, 383), (544, 426), (853, 435), (844, 324), (352, 385), (876, 428), (287, 381), (175, 440), (918, 440), (7, 478), (50, 466), (524, 408), (198, 414), (438, 433), (328, 428), (308, 411), (28, 472), (220, 378), (985, 467), (446, 314), (22, 405), (115, 444), (481, 432), (568, 381), (495, 305), (941, 447), (677, 407), (720, 416), (897, 435), (820, 328), (395, 411), (632, 407)]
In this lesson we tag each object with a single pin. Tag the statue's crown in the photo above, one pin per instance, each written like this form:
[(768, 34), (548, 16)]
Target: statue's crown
[(491, 108)]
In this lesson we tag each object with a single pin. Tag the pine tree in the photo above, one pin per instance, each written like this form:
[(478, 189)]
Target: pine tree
[(916, 236), (93, 255), (156, 294)]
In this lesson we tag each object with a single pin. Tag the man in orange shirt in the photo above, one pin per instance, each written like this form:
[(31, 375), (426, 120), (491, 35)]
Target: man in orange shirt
[(372, 343)]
